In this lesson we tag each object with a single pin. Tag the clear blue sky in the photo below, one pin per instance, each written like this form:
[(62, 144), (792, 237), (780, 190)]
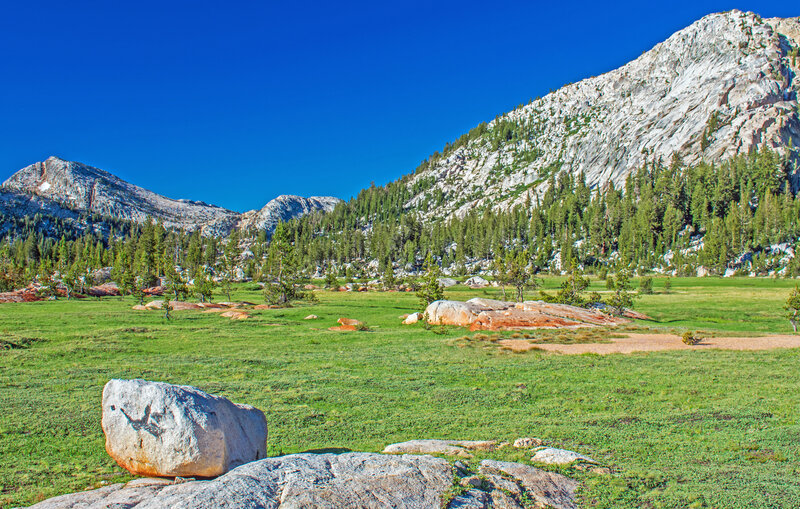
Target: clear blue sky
[(236, 102)]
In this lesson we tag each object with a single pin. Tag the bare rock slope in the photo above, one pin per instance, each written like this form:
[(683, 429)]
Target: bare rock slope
[(725, 85), (65, 188)]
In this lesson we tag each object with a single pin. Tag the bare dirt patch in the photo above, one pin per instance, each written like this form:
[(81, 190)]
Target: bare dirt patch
[(654, 343)]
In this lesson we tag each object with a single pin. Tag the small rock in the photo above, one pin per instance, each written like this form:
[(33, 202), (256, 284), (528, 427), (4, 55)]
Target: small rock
[(235, 315), (348, 324), (446, 447), (553, 456), (476, 282), (311, 317), (159, 429), (412, 318), (447, 282), (139, 307), (527, 443)]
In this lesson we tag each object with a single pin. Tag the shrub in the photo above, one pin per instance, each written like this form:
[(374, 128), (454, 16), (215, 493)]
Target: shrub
[(646, 285), (690, 338)]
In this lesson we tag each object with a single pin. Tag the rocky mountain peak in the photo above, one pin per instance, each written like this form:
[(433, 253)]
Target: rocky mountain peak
[(283, 208), (723, 86)]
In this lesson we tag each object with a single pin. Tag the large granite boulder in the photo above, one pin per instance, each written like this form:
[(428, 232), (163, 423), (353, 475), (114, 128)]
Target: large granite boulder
[(159, 429), (326, 481), (490, 314)]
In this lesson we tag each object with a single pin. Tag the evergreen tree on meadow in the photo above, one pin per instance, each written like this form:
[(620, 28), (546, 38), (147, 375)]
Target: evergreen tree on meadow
[(430, 289)]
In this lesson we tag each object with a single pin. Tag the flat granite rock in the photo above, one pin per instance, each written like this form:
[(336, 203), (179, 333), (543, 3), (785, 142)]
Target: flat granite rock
[(553, 456), (446, 447), (327, 481)]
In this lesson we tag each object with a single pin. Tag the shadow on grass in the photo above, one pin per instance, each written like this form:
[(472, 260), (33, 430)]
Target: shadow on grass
[(328, 450)]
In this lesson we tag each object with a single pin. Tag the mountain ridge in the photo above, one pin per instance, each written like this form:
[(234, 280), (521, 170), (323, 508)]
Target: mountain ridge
[(725, 85), (82, 188)]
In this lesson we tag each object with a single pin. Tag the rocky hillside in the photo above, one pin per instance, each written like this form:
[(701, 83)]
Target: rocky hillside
[(726, 85), (283, 208), (63, 189)]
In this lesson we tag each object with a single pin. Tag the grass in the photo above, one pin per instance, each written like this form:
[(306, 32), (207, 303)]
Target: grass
[(676, 429)]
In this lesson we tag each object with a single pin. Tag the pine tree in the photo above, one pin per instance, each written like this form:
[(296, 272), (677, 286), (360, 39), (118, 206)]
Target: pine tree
[(622, 297), (519, 274), (572, 288), (203, 287), (430, 289), (282, 277)]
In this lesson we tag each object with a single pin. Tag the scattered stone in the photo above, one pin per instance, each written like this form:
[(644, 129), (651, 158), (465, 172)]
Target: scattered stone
[(139, 307), (446, 447), (403, 317), (527, 443), (548, 489), (324, 481), (154, 290), (211, 305), (447, 282), (159, 429), (553, 456), (235, 315), (102, 275), (412, 318), (311, 317), (177, 305), (348, 324), (104, 290), (476, 282)]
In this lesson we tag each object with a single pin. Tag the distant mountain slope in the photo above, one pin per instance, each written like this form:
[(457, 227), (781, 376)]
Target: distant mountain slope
[(283, 208), (725, 85), (65, 188)]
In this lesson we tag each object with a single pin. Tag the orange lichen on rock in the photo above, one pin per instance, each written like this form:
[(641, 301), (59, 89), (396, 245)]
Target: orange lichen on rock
[(347, 324)]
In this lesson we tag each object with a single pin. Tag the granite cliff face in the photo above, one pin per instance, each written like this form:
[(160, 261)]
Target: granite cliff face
[(64, 189), (726, 85)]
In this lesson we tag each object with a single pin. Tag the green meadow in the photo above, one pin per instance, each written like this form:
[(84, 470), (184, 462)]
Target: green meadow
[(708, 428)]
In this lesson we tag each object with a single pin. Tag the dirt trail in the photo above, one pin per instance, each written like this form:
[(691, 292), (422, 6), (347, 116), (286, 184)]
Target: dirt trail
[(656, 342)]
